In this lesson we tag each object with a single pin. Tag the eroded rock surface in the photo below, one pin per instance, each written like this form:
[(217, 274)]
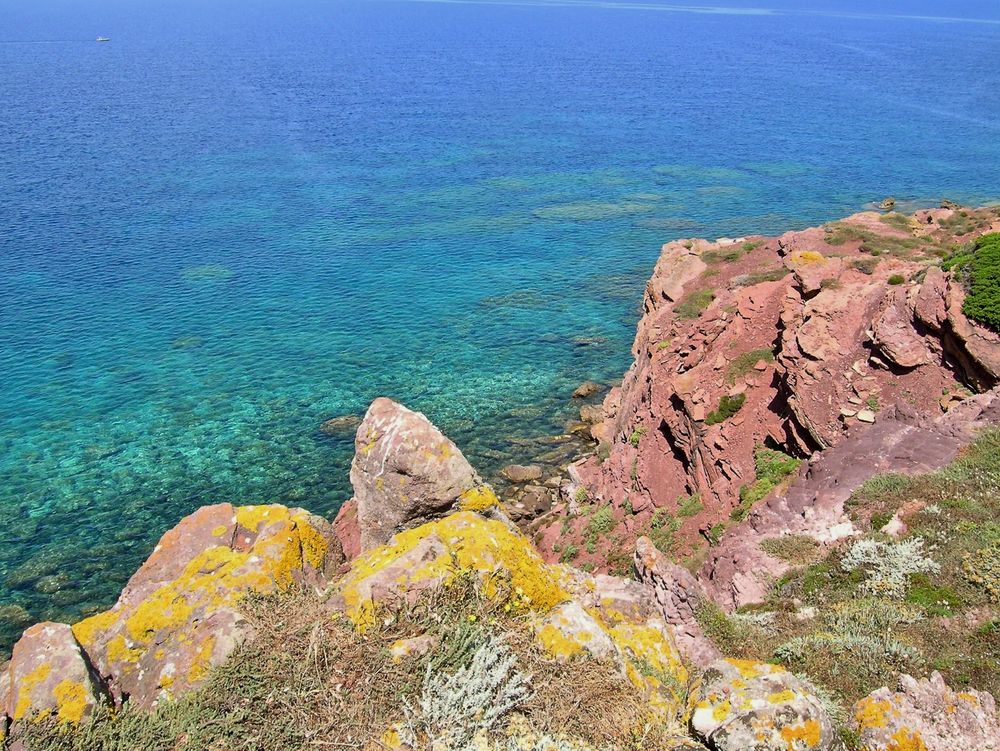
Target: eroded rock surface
[(810, 335), (752, 706), (929, 716), (49, 675), (177, 615)]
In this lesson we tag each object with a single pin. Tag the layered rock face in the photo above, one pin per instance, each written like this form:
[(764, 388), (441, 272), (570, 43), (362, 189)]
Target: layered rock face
[(794, 343)]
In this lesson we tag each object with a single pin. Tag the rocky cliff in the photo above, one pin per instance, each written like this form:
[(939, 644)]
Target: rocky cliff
[(760, 345)]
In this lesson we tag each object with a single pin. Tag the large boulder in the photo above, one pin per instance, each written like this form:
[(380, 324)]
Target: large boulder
[(753, 706), (406, 472), (178, 615), (49, 675), (926, 715)]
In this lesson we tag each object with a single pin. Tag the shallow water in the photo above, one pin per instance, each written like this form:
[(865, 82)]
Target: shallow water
[(237, 220)]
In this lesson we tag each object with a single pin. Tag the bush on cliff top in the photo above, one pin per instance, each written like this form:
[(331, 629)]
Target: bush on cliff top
[(982, 304), (728, 406)]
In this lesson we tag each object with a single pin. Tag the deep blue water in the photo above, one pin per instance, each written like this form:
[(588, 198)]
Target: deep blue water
[(239, 219)]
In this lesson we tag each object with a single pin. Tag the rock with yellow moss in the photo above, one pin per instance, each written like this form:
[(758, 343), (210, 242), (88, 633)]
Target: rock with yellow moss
[(926, 715), (435, 553), (49, 676), (569, 631), (406, 472), (743, 705), (178, 614)]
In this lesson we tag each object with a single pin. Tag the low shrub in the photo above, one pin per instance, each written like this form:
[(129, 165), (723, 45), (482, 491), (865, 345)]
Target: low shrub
[(889, 564), (795, 549), (692, 304), (728, 406), (743, 364)]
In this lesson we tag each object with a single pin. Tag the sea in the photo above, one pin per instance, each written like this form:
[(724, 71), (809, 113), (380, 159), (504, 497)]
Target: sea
[(236, 220)]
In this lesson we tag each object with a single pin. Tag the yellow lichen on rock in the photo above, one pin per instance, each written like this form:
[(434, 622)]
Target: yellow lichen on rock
[(804, 735), (87, 630), (27, 685), (480, 498), (437, 552), (71, 700)]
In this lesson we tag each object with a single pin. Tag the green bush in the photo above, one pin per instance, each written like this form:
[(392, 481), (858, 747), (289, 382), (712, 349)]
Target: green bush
[(745, 362), (897, 279), (692, 304), (982, 304), (728, 406), (689, 506)]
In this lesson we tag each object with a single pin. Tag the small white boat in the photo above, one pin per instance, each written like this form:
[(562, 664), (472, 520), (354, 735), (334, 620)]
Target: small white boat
[(103, 39)]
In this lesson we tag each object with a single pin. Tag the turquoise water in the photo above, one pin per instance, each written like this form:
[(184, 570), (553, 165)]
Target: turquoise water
[(237, 220)]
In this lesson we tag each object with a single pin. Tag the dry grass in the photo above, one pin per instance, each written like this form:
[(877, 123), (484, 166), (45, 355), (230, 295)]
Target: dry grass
[(308, 680)]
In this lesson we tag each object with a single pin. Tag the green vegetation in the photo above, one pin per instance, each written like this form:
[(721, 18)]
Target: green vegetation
[(722, 256), (897, 279), (796, 549), (728, 406), (692, 304), (771, 467), (840, 233), (899, 221), (980, 270), (688, 506), (600, 524), (570, 552), (759, 277), (662, 529), (743, 364), (852, 616), (865, 265), (636, 436)]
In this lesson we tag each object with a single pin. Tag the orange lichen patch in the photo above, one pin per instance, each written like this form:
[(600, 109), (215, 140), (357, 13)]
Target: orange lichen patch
[(751, 669), (119, 651), (468, 543), (165, 608), (71, 701), (905, 740), (721, 711), (650, 646), (26, 686), (87, 630), (970, 698), (871, 713), (807, 734), (479, 498)]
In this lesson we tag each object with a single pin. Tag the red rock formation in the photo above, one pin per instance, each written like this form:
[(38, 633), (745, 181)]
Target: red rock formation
[(816, 332)]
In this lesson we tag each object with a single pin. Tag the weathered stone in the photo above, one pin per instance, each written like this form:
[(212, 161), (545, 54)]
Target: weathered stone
[(49, 675), (591, 414), (677, 593), (893, 332), (178, 615), (570, 631), (520, 473), (406, 472), (585, 389), (347, 529), (743, 705), (866, 415), (435, 553), (926, 715)]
